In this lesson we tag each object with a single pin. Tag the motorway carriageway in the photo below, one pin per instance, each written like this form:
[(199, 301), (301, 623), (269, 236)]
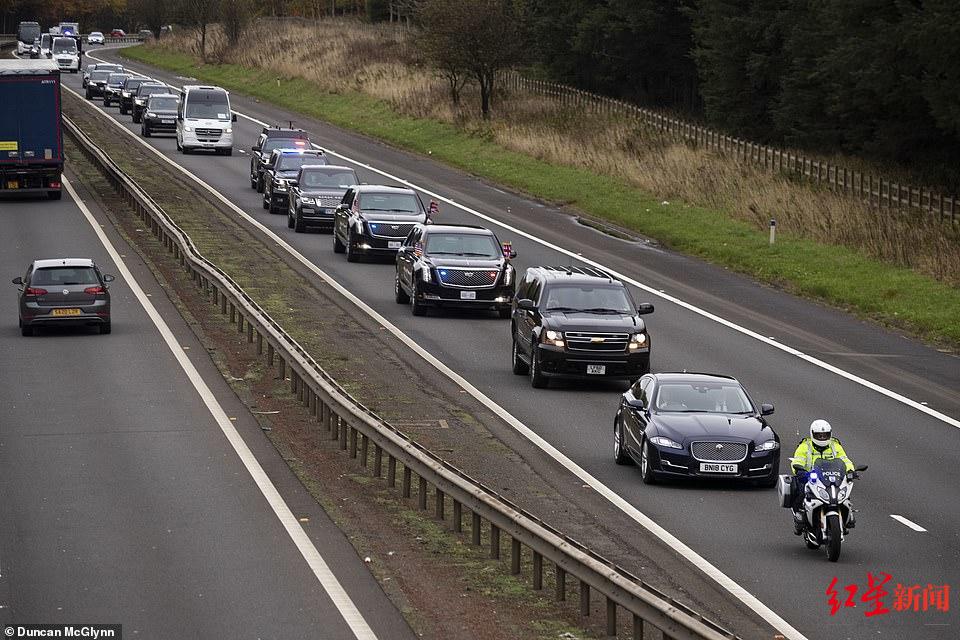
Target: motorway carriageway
[(742, 531), (135, 488)]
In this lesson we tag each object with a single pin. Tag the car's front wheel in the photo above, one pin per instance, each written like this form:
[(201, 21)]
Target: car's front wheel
[(537, 379), (415, 307), (352, 255), (646, 464), (520, 367), (399, 294), (620, 455), (337, 245), (298, 225)]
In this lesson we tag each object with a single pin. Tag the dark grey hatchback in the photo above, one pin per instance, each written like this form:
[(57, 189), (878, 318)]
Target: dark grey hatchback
[(64, 291)]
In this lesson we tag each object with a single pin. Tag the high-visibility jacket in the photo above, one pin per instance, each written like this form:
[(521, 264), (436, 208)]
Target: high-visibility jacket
[(807, 454)]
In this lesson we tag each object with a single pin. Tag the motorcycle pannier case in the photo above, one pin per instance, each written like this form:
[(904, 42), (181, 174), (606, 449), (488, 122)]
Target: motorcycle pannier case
[(783, 491)]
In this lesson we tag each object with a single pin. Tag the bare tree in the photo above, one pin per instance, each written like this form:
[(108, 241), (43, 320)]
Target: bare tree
[(235, 16), (476, 38), (199, 14)]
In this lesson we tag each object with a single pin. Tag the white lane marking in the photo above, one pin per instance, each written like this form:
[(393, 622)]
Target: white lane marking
[(912, 525), (701, 563), (328, 580)]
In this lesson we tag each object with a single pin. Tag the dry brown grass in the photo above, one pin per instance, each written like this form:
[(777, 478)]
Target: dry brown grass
[(381, 61)]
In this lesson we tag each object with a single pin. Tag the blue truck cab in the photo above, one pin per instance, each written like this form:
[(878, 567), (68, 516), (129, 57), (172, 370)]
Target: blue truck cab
[(31, 138)]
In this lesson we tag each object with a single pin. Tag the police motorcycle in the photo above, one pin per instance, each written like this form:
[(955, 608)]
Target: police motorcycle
[(827, 513)]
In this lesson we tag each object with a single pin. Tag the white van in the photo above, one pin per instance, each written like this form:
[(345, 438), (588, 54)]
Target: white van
[(65, 52), (204, 120)]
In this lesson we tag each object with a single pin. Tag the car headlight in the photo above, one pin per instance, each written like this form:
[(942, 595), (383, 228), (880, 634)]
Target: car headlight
[(425, 274), (187, 128), (126, 94), (228, 130), (639, 340), (553, 337), (665, 442), (279, 185), (769, 445), (151, 114), (508, 275), (310, 201), (140, 101), (358, 225)]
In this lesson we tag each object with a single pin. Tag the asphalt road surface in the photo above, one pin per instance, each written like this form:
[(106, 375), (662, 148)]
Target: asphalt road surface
[(912, 455), (121, 500)]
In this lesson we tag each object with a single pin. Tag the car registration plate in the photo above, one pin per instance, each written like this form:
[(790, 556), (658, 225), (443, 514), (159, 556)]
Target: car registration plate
[(66, 312), (713, 467), (468, 295), (394, 245), (596, 369), (13, 184), (166, 122)]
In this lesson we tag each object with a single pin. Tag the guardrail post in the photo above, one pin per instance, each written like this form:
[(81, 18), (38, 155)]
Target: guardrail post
[(439, 504), (494, 541), (475, 524), (233, 313), (223, 303), (249, 333), (457, 517), (239, 323), (560, 590), (537, 571), (422, 492), (611, 617), (515, 552), (343, 435), (259, 343), (391, 472), (270, 355), (405, 486), (353, 442), (364, 448), (294, 379), (637, 627), (377, 460), (584, 599), (334, 425), (283, 368)]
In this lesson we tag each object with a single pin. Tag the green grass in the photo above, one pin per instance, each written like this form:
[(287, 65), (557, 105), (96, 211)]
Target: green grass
[(840, 276)]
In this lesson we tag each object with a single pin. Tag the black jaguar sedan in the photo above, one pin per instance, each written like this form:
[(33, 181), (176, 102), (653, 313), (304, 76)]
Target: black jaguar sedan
[(694, 425)]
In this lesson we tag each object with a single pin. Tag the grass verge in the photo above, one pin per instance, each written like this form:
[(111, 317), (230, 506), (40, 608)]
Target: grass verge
[(837, 275)]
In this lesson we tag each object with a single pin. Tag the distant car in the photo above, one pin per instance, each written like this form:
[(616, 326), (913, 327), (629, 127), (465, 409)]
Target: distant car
[(63, 291), (118, 33), (273, 138), (314, 195), (145, 34), (113, 89), (128, 91), (100, 66), (375, 220), (693, 425), (578, 323), (281, 170), (97, 83), (159, 115), (454, 266), (44, 46), (144, 91), (95, 37)]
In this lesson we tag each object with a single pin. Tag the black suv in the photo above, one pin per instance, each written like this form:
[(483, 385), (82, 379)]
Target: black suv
[(375, 220), (273, 138), (97, 83), (314, 195), (454, 266), (280, 170), (160, 114), (577, 322), (144, 91), (129, 89)]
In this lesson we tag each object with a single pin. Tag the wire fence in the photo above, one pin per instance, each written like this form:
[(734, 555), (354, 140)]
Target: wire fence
[(873, 189)]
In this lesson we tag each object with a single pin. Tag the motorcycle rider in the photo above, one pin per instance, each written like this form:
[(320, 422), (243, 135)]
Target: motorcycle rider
[(821, 445)]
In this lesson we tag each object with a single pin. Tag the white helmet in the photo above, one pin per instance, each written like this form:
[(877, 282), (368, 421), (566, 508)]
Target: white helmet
[(820, 433)]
